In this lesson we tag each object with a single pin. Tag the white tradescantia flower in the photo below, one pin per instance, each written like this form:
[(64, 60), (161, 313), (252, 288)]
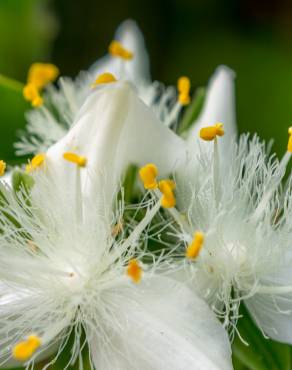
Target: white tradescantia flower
[(233, 218), (65, 267), (127, 61)]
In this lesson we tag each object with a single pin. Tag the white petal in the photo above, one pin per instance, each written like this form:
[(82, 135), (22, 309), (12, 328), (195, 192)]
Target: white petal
[(219, 107), (9, 300), (273, 313), (114, 129), (131, 37), (135, 70), (159, 324)]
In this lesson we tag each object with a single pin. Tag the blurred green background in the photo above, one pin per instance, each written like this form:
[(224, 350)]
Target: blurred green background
[(183, 37), (191, 37)]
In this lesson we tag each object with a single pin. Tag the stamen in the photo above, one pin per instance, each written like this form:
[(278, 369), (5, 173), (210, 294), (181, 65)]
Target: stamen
[(23, 351), (2, 168), (195, 246), (184, 86), (134, 271), (118, 228), (36, 162), (148, 176), (168, 199), (104, 78), (211, 132), (40, 74), (31, 94), (32, 246), (75, 158), (289, 148), (116, 49)]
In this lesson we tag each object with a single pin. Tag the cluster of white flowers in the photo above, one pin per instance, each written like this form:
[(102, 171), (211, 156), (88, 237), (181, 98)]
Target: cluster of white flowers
[(77, 260)]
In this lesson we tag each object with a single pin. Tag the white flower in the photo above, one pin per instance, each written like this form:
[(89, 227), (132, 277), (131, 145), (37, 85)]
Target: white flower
[(233, 218), (64, 271), (50, 122)]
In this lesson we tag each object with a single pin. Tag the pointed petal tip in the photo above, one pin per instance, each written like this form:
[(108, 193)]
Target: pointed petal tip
[(222, 74), (127, 24), (130, 35)]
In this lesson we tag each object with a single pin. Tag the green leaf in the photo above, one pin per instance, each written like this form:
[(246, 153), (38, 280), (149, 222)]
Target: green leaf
[(193, 110), (261, 353), (27, 28), (12, 109)]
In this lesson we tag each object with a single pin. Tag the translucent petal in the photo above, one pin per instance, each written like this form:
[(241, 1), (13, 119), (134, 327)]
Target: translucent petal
[(135, 70), (160, 324), (219, 107), (114, 129), (273, 312), (11, 304)]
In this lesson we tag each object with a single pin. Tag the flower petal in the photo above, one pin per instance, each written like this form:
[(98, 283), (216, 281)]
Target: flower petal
[(113, 129), (11, 306), (272, 312), (136, 70), (219, 106), (161, 325)]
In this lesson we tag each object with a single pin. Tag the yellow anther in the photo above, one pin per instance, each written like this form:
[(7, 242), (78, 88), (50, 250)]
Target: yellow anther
[(40, 74), (75, 158), (134, 271), (31, 93), (36, 162), (2, 168), (148, 176), (195, 246), (116, 49), (104, 78), (184, 86), (210, 133), (117, 228), (23, 351), (289, 148), (168, 199)]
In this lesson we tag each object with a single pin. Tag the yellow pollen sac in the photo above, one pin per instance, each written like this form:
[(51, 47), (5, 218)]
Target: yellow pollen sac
[(36, 162), (104, 78), (31, 94), (211, 132), (118, 228), (2, 168), (23, 351), (40, 74), (184, 86), (134, 271), (195, 246), (148, 175), (289, 148), (116, 49), (75, 158), (168, 199)]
